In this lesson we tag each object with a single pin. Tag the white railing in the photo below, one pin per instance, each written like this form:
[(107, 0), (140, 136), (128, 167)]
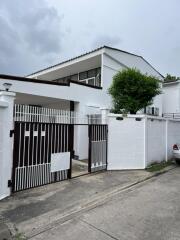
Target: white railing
[(91, 81), (26, 113)]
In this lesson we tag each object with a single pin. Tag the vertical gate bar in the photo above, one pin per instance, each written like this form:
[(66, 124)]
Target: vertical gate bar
[(90, 146), (71, 149), (48, 155), (58, 147), (67, 138), (64, 137), (44, 179), (51, 151), (61, 139), (55, 174)]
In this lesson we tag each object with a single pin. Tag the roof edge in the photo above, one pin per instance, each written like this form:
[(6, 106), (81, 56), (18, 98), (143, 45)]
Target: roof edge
[(95, 50)]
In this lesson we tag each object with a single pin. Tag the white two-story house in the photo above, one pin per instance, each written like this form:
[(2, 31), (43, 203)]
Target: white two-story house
[(81, 83)]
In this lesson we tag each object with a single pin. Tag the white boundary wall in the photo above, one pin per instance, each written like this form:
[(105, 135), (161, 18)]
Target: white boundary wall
[(138, 140), (126, 145)]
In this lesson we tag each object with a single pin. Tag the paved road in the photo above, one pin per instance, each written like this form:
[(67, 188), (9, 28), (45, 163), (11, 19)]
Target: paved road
[(150, 211)]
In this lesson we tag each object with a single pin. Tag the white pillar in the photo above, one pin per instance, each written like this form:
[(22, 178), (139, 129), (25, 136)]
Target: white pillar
[(6, 143), (104, 114)]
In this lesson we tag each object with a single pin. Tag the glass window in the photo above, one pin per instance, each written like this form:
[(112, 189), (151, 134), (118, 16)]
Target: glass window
[(98, 71), (74, 77), (98, 80), (91, 73), (83, 75), (91, 81)]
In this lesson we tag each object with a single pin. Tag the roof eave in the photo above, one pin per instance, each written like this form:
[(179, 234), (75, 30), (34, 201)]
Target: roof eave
[(82, 57)]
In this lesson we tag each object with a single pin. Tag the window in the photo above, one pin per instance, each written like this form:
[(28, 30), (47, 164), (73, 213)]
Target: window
[(83, 75), (92, 73), (74, 77), (91, 77), (91, 81)]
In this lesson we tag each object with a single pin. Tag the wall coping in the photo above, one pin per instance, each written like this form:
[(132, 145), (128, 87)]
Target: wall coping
[(113, 115), (7, 93)]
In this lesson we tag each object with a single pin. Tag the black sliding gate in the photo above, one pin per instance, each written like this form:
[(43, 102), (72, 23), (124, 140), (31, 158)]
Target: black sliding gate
[(97, 147), (34, 146), (43, 152)]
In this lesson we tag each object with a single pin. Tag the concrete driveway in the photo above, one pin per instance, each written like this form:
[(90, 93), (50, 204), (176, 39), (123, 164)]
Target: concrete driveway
[(109, 205), (150, 210)]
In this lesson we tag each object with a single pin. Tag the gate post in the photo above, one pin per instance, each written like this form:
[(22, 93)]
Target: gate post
[(104, 114), (6, 143)]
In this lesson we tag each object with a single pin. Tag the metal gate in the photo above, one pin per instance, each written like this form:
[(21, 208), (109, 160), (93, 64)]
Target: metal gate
[(35, 146), (98, 147), (44, 142)]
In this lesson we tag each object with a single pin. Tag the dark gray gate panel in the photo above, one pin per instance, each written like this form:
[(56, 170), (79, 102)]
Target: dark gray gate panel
[(34, 144), (98, 147)]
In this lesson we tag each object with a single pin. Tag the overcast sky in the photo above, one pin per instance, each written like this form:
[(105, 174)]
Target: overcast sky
[(38, 33)]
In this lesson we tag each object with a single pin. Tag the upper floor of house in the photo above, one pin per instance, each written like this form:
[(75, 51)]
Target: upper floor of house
[(83, 80), (95, 68)]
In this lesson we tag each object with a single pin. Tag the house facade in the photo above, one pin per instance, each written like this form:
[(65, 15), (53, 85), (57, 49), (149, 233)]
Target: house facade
[(56, 117)]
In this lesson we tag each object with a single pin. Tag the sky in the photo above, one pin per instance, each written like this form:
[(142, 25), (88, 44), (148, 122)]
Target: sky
[(39, 33)]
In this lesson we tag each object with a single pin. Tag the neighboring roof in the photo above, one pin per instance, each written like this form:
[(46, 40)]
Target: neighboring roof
[(95, 50)]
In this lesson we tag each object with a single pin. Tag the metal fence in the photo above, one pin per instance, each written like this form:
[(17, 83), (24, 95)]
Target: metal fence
[(171, 115), (26, 113)]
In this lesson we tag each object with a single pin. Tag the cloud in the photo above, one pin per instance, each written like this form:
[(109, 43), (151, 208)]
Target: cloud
[(102, 40), (31, 35)]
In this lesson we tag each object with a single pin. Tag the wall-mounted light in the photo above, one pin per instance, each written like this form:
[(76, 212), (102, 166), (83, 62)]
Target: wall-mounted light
[(7, 86)]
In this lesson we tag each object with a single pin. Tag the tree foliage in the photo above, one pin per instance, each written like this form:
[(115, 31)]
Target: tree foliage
[(131, 91), (170, 78)]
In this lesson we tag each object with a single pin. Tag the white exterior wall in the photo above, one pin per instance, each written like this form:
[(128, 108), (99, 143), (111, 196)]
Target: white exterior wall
[(115, 61), (126, 144), (171, 98), (137, 144), (156, 140), (6, 143), (133, 62)]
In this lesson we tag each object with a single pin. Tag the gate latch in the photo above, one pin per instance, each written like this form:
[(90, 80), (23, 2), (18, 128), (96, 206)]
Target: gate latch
[(11, 133)]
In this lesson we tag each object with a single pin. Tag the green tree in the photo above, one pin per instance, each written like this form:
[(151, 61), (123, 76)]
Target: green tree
[(131, 91), (170, 78)]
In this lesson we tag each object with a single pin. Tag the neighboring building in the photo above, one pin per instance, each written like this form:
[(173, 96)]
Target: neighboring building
[(171, 97)]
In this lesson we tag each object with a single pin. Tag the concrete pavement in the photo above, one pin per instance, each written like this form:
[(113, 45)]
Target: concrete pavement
[(147, 211), (39, 210)]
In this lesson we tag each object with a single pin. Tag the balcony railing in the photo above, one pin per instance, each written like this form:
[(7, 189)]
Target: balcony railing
[(171, 115), (94, 81)]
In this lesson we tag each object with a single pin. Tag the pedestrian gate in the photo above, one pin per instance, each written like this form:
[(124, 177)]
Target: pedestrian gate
[(43, 147)]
